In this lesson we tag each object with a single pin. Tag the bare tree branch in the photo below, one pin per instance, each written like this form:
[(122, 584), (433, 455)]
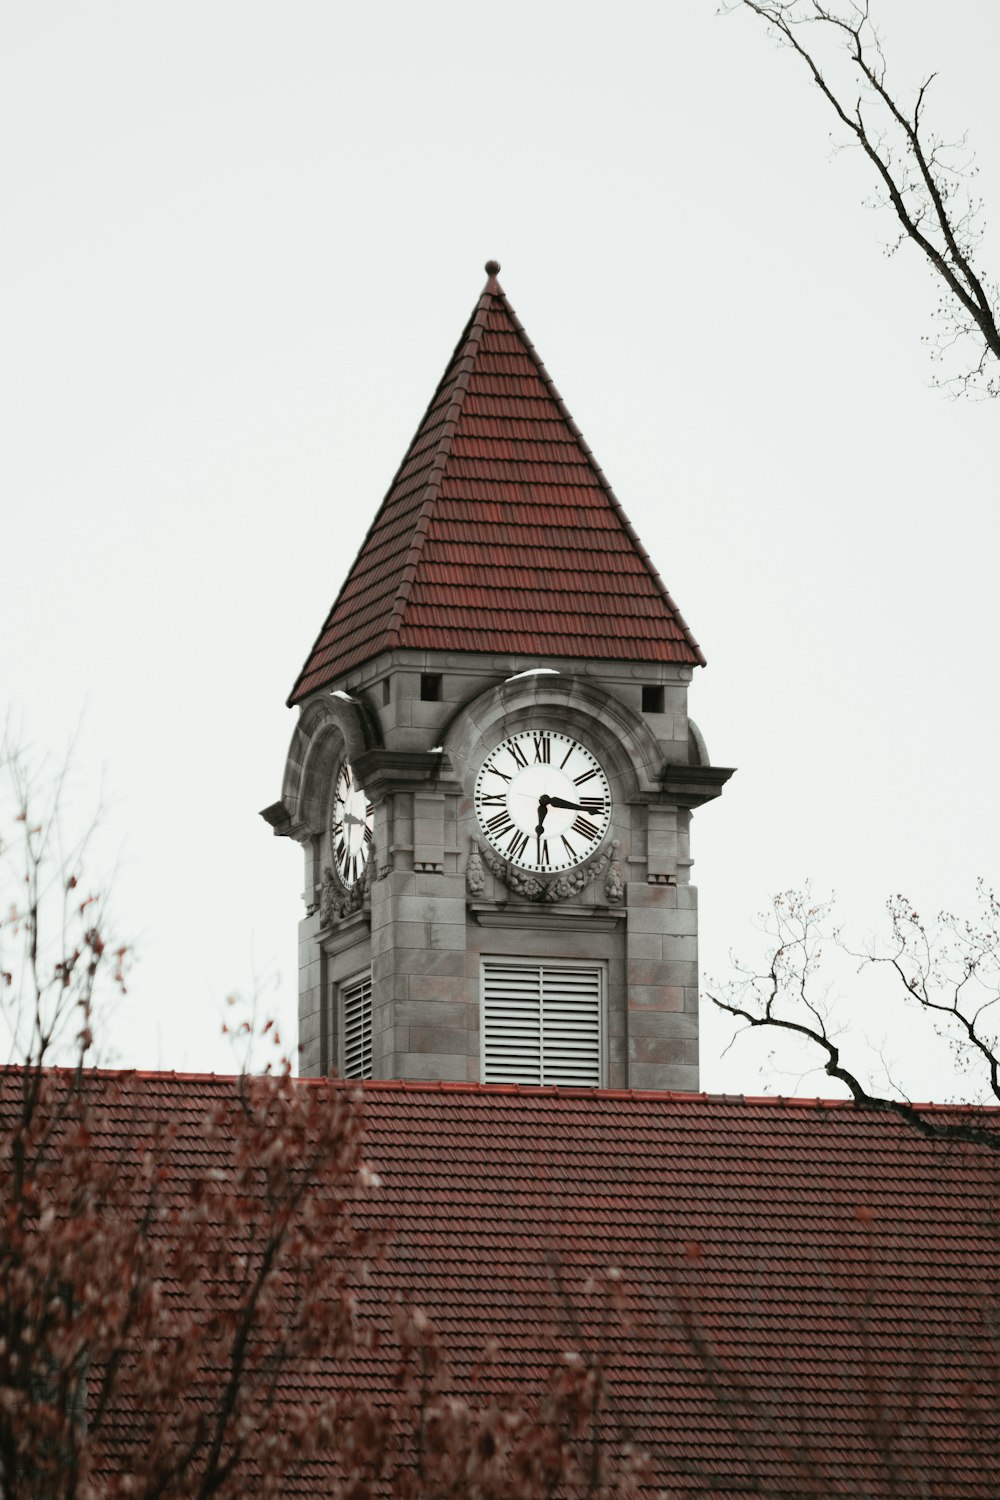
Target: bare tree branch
[(949, 972), (924, 179)]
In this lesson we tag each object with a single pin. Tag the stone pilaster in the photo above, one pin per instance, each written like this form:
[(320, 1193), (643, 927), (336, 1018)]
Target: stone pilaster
[(662, 986), (419, 984)]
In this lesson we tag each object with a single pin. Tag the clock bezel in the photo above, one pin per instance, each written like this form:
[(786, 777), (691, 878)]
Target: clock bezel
[(516, 847), (344, 767)]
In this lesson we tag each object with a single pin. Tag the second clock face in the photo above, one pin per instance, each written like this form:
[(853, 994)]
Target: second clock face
[(351, 820), (543, 800)]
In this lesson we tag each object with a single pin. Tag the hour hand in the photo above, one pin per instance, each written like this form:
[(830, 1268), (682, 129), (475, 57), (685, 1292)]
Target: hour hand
[(569, 806)]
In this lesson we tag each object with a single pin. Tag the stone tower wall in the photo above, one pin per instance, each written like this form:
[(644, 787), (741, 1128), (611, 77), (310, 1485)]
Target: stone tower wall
[(424, 924)]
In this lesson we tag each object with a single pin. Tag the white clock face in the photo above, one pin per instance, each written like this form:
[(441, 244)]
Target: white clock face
[(351, 820), (543, 800)]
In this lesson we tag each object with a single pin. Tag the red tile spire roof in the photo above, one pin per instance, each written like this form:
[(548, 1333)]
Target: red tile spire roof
[(499, 531)]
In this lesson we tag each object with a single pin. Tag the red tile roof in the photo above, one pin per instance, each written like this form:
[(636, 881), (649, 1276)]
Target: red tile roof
[(499, 531), (807, 1286)]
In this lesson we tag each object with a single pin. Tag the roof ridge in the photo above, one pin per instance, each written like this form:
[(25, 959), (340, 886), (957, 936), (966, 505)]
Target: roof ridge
[(504, 1090), (673, 1096), (602, 478), (469, 344)]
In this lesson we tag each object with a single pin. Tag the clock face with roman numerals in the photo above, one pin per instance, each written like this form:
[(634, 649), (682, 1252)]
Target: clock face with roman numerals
[(543, 801), (351, 820)]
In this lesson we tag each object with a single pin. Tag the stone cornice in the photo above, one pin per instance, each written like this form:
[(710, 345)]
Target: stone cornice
[(283, 824), (690, 786), (382, 772)]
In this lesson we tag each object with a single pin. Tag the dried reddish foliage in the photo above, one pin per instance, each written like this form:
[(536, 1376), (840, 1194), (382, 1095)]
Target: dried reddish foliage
[(128, 1286), (169, 1328), (156, 1323)]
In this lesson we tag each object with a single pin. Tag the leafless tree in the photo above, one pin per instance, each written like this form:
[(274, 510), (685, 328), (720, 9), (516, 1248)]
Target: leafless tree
[(923, 177), (946, 970)]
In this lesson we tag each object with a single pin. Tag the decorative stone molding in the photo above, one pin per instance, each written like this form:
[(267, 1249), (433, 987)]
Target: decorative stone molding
[(334, 901), (618, 735), (475, 875), (564, 917), (329, 727), (614, 885), (328, 892), (561, 888), (337, 902), (345, 935)]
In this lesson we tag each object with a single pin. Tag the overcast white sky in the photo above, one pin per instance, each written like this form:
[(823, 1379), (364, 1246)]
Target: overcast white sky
[(240, 242)]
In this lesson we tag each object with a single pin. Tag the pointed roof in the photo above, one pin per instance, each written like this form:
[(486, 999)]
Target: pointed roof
[(499, 532)]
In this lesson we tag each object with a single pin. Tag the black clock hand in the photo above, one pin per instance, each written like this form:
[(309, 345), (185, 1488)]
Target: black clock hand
[(569, 806), (543, 807)]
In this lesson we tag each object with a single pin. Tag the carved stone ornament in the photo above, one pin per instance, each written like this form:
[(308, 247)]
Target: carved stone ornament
[(475, 875), (614, 885), (533, 889), (336, 903)]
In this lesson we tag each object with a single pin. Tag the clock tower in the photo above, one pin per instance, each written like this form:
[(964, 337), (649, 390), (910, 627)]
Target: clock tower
[(493, 770)]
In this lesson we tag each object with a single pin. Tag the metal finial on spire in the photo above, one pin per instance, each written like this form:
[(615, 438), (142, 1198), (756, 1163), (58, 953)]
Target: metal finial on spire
[(492, 268)]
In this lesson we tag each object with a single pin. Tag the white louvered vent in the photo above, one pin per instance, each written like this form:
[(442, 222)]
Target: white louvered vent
[(541, 1023), (356, 1013)]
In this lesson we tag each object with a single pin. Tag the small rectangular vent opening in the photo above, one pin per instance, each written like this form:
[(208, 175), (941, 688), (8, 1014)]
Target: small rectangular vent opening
[(430, 687), (541, 1023), (652, 699), (356, 1020)]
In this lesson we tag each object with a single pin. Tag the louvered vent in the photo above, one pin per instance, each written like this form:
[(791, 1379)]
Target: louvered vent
[(542, 1024), (356, 1001)]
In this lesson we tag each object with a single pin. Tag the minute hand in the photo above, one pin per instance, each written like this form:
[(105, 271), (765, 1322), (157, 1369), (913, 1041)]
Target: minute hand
[(569, 806)]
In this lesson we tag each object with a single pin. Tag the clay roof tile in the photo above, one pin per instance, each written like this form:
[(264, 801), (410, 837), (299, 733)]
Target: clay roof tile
[(506, 1203), (498, 452)]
